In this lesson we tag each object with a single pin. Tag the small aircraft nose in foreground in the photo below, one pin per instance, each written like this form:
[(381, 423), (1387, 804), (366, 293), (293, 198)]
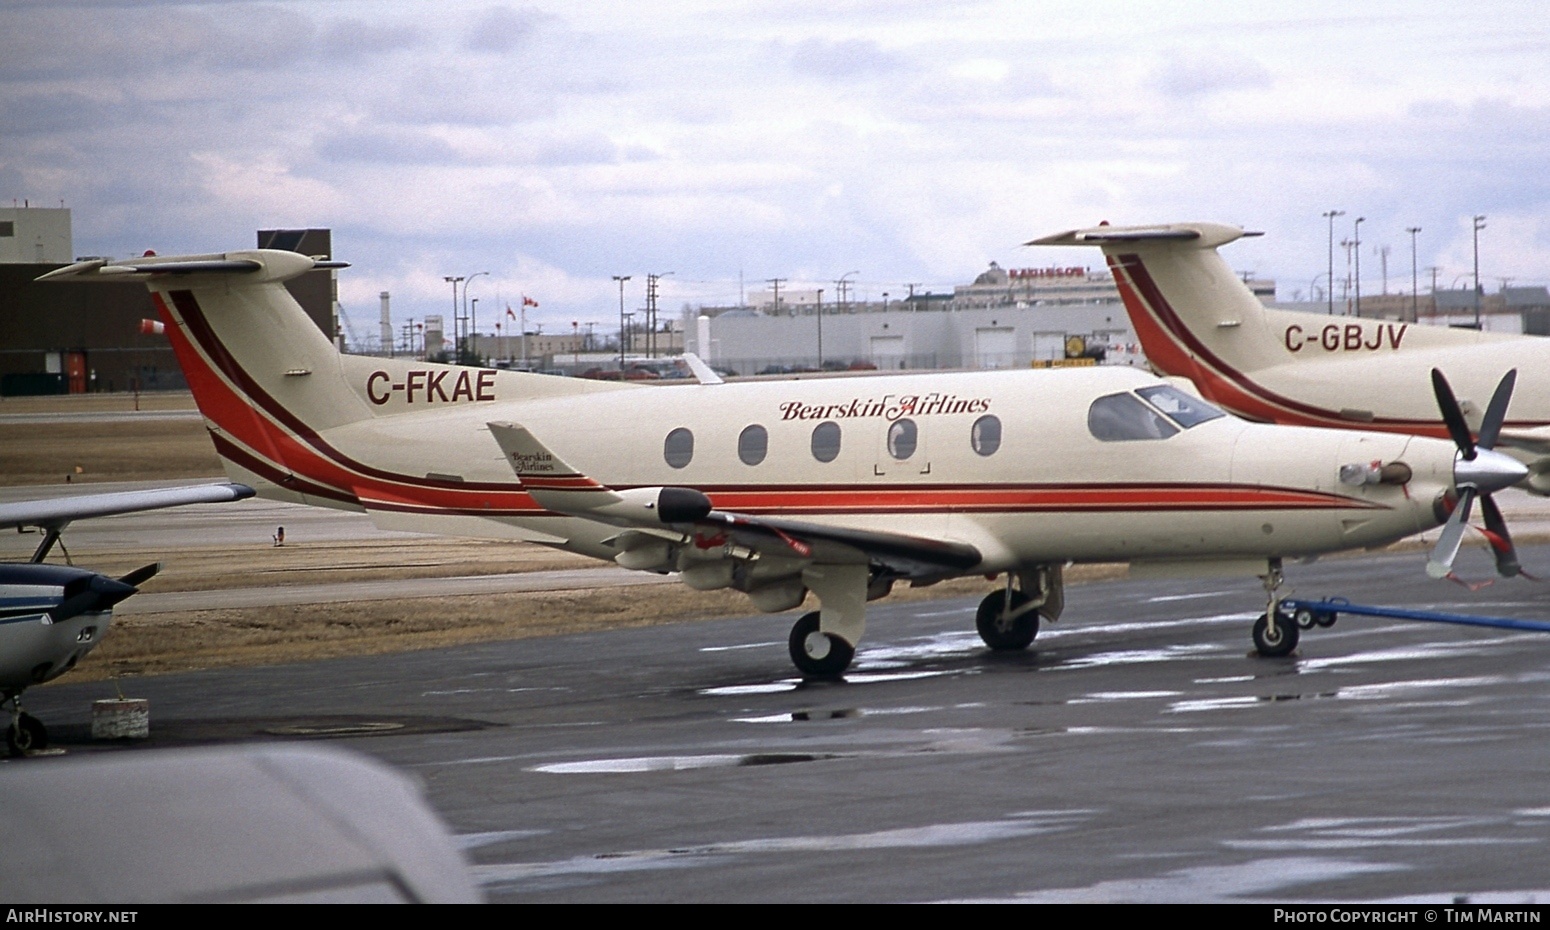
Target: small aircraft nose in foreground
[(51, 616), (836, 487)]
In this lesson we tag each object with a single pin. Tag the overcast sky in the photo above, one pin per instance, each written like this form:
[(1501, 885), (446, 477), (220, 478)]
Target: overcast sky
[(556, 144)]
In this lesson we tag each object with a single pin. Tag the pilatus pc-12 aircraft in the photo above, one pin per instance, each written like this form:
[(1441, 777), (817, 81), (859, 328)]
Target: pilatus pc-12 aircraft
[(838, 487), (1197, 320)]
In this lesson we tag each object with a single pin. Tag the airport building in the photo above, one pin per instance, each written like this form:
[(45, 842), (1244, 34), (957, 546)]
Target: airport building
[(1005, 318), (79, 337)]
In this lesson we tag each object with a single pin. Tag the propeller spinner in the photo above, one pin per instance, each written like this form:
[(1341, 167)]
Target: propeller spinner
[(1478, 471)]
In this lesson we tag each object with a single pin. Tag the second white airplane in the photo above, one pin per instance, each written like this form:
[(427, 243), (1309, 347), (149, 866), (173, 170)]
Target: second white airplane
[(1197, 320), (838, 487)]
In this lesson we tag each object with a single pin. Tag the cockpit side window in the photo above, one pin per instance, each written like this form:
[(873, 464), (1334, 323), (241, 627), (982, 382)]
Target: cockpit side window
[(1180, 407), (1124, 418)]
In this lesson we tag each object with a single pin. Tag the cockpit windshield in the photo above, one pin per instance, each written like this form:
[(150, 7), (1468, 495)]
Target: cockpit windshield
[(1180, 407), (1125, 418)]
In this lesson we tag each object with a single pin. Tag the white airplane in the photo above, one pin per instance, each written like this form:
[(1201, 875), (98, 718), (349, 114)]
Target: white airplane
[(1197, 320), (51, 616), (839, 487)]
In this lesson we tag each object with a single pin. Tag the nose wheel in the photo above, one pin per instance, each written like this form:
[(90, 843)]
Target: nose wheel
[(818, 654), (1274, 633), (1275, 641)]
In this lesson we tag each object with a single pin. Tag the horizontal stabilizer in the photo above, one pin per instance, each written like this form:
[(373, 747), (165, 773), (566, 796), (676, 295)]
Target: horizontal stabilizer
[(261, 264), (1203, 235)]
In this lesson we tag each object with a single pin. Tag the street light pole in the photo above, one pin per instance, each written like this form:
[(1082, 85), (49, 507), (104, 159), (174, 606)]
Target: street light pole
[(1415, 281), (1356, 247), (468, 354), (621, 279), (820, 329), (456, 339), (1479, 225), (1330, 215)]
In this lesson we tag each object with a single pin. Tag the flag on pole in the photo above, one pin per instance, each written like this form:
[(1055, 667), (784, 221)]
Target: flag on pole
[(509, 313), (528, 301)]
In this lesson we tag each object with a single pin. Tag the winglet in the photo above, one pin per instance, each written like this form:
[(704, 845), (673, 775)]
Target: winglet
[(557, 486), (546, 476), (703, 372)]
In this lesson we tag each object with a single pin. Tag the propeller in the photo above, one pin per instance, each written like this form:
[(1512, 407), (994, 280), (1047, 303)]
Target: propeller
[(1478, 471)]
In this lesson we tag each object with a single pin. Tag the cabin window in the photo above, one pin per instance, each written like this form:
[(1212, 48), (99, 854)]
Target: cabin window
[(678, 448), (1180, 407), (826, 441), (985, 435), (1124, 418), (902, 439), (753, 444)]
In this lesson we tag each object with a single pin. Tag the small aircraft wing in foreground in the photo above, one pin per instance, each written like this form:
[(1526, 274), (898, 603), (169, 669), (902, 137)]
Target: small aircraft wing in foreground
[(51, 616), (836, 487)]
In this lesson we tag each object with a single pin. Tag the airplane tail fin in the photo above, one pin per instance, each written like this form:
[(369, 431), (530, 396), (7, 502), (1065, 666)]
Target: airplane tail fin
[(1194, 316), (272, 386)]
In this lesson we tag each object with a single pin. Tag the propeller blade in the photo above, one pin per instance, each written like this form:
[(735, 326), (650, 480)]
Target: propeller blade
[(1452, 415), (1491, 426), (1440, 565), (141, 575), (1501, 541)]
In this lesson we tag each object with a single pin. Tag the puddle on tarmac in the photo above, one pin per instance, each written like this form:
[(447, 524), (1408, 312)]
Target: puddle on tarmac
[(679, 763), (968, 833), (1103, 696), (740, 646), (848, 713), (1138, 656), (494, 837)]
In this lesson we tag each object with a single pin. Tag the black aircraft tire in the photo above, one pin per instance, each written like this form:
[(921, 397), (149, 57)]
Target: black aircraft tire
[(1282, 643), (830, 665), (26, 735), (1004, 635)]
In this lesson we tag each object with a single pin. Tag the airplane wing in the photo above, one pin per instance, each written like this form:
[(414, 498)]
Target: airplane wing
[(559, 487), (1536, 440), (57, 512), (901, 554)]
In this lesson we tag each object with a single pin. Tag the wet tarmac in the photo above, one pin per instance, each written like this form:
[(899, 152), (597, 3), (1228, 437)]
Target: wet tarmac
[(1138, 752)]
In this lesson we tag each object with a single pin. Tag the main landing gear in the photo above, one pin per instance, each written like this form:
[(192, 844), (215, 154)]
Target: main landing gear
[(1008, 618), (823, 642), (26, 733), (816, 653)]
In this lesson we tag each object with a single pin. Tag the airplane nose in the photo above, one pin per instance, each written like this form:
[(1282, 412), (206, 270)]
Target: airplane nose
[(1488, 471)]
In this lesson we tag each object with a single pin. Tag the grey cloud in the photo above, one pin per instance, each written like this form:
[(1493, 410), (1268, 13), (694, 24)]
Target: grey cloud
[(850, 58), (389, 146), (354, 39), (76, 43), (464, 97), (581, 150), (1201, 75), (501, 29), (30, 114)]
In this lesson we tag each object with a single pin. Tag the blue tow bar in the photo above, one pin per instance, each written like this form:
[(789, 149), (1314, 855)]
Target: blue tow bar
[(1323, 613)]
